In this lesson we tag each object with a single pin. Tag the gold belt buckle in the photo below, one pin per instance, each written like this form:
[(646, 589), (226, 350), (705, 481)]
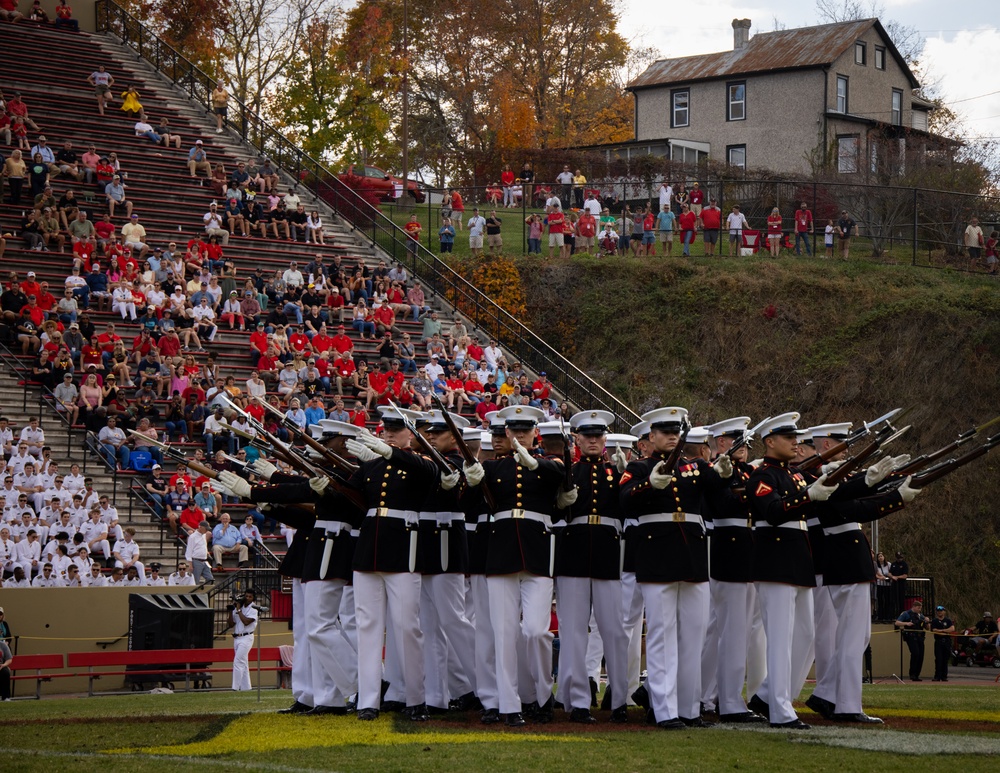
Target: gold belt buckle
[(517, 512), (594, 519), (381, 512), (679, 518)]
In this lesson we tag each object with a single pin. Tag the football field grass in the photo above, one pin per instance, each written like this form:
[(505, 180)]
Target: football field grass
[(928, 727)]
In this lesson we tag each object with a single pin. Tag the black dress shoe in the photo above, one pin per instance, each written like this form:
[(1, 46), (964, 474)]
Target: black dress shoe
[(860, 718), (641, 697), (606, 699), (490, 716), (390, 706), (320, 711), (593, 693), (757, 704), (583, 716), (743, 718), (296, 708), (545, 713), (795, 724), (417, 713), (467, 702), (671, 724), (620, 715), (696, 722), (367, 715), (529, 709), (436, 710), (515, 720), (821, 706)]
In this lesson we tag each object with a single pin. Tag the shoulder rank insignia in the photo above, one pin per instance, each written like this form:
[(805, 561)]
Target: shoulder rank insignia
[(763, 489)]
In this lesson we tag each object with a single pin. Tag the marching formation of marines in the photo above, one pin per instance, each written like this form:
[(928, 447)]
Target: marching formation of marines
[(431, 563)]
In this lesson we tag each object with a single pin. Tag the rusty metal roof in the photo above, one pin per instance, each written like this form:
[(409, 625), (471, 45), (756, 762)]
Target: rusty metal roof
[(766, 51)]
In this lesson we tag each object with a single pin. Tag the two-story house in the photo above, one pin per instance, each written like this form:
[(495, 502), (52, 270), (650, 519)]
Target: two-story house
[(781, 100)]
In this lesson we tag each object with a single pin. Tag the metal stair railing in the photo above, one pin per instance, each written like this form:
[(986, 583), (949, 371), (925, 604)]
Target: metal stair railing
[(569, 380)]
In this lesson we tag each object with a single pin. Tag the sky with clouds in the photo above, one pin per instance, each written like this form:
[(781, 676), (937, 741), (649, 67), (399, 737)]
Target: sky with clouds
[(959, 53)]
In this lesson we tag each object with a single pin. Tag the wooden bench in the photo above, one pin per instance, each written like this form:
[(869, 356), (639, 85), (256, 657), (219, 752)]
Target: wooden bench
[(164, 665), (39, 664)]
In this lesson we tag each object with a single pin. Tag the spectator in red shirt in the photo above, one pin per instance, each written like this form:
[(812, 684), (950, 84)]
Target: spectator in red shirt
[(557, 222), (385, 319), (46, 300), (342, 342), (711, 223), (359, 416), (803, 227), (297, 340), (413, 229), (475, 351), (687, 221), (34, 312), (696, 197), (258, 342), (268, 366), (379, 389), (322, 342), (336, 302), (586, 232), (774, 232), (540, 390), (30, 287), (343, 368)]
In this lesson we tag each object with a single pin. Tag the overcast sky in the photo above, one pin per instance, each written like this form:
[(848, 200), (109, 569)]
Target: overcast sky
[(960, 54)]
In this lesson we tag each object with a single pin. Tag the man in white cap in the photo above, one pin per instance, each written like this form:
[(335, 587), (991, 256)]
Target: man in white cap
[(588, 572), (672, 567), (520, 563), (783, 570), (449, 637), (734, 601), (495, 443), (632, 606)]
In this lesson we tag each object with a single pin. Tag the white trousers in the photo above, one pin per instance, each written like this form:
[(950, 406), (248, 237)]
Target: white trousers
[(323, 600), (449, 639), (787, 612), (852, 606), (756, 646), (241, 662), (346, 645), (595, 646), (521, 603), (632, 609), (710, 655), (301, 658), (576, 599), (824, 642), (733, 605), (486, 654), (676, 619), (396, 595)]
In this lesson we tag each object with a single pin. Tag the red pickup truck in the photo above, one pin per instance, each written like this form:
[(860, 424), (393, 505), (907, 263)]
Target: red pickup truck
[(371, 178)]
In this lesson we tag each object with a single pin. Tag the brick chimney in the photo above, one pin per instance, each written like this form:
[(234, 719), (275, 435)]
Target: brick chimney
[(741, 33)]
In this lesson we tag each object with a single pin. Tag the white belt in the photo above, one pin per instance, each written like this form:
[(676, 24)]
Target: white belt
[(442, 519), (596, 520), (842, 528), (518, 514), (332, 527), (484, 518), (631, 522), (409, 516), (471, 525), (672, 518), (797, 525), (812, 523), (726, 523), (355, 532)]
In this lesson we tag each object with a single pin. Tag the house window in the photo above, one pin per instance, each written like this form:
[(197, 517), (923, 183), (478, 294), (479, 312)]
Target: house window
[(736, 101), (847, 153), (841, 93), (860, 53), (736, 155), (879, 58), (897, 108), (679, 108)]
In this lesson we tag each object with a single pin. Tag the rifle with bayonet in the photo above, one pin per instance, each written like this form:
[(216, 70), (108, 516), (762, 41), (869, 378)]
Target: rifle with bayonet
[(465, 451), (424, 443), (744, 440), (925, 459), (330, 456), (948, 466), (675, 456), (884, 436), (818, 460), (567, 457)]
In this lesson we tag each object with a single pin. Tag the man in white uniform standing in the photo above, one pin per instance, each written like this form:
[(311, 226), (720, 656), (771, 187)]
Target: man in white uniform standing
[(244, 625)]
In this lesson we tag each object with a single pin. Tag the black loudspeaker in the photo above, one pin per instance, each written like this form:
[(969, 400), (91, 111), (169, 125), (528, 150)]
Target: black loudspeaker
[(162, 621)]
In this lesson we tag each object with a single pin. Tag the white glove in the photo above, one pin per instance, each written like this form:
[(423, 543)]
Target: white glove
[(877, 472), (660, 477), (263, 468), (263, 507), (449, 481), (474, 473), (360, 451), (380, 447), (829, 467), (900, 461), (319, 483), (819, 491), (620, 460), (906, 492), (523, 457), (236, 485), (566, 498), (724, 466)]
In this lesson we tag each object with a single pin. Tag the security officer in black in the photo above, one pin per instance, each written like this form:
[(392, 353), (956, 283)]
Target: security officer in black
[(588, 572)]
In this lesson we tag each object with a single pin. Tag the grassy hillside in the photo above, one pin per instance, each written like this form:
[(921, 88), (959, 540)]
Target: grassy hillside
[(836, 341)]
